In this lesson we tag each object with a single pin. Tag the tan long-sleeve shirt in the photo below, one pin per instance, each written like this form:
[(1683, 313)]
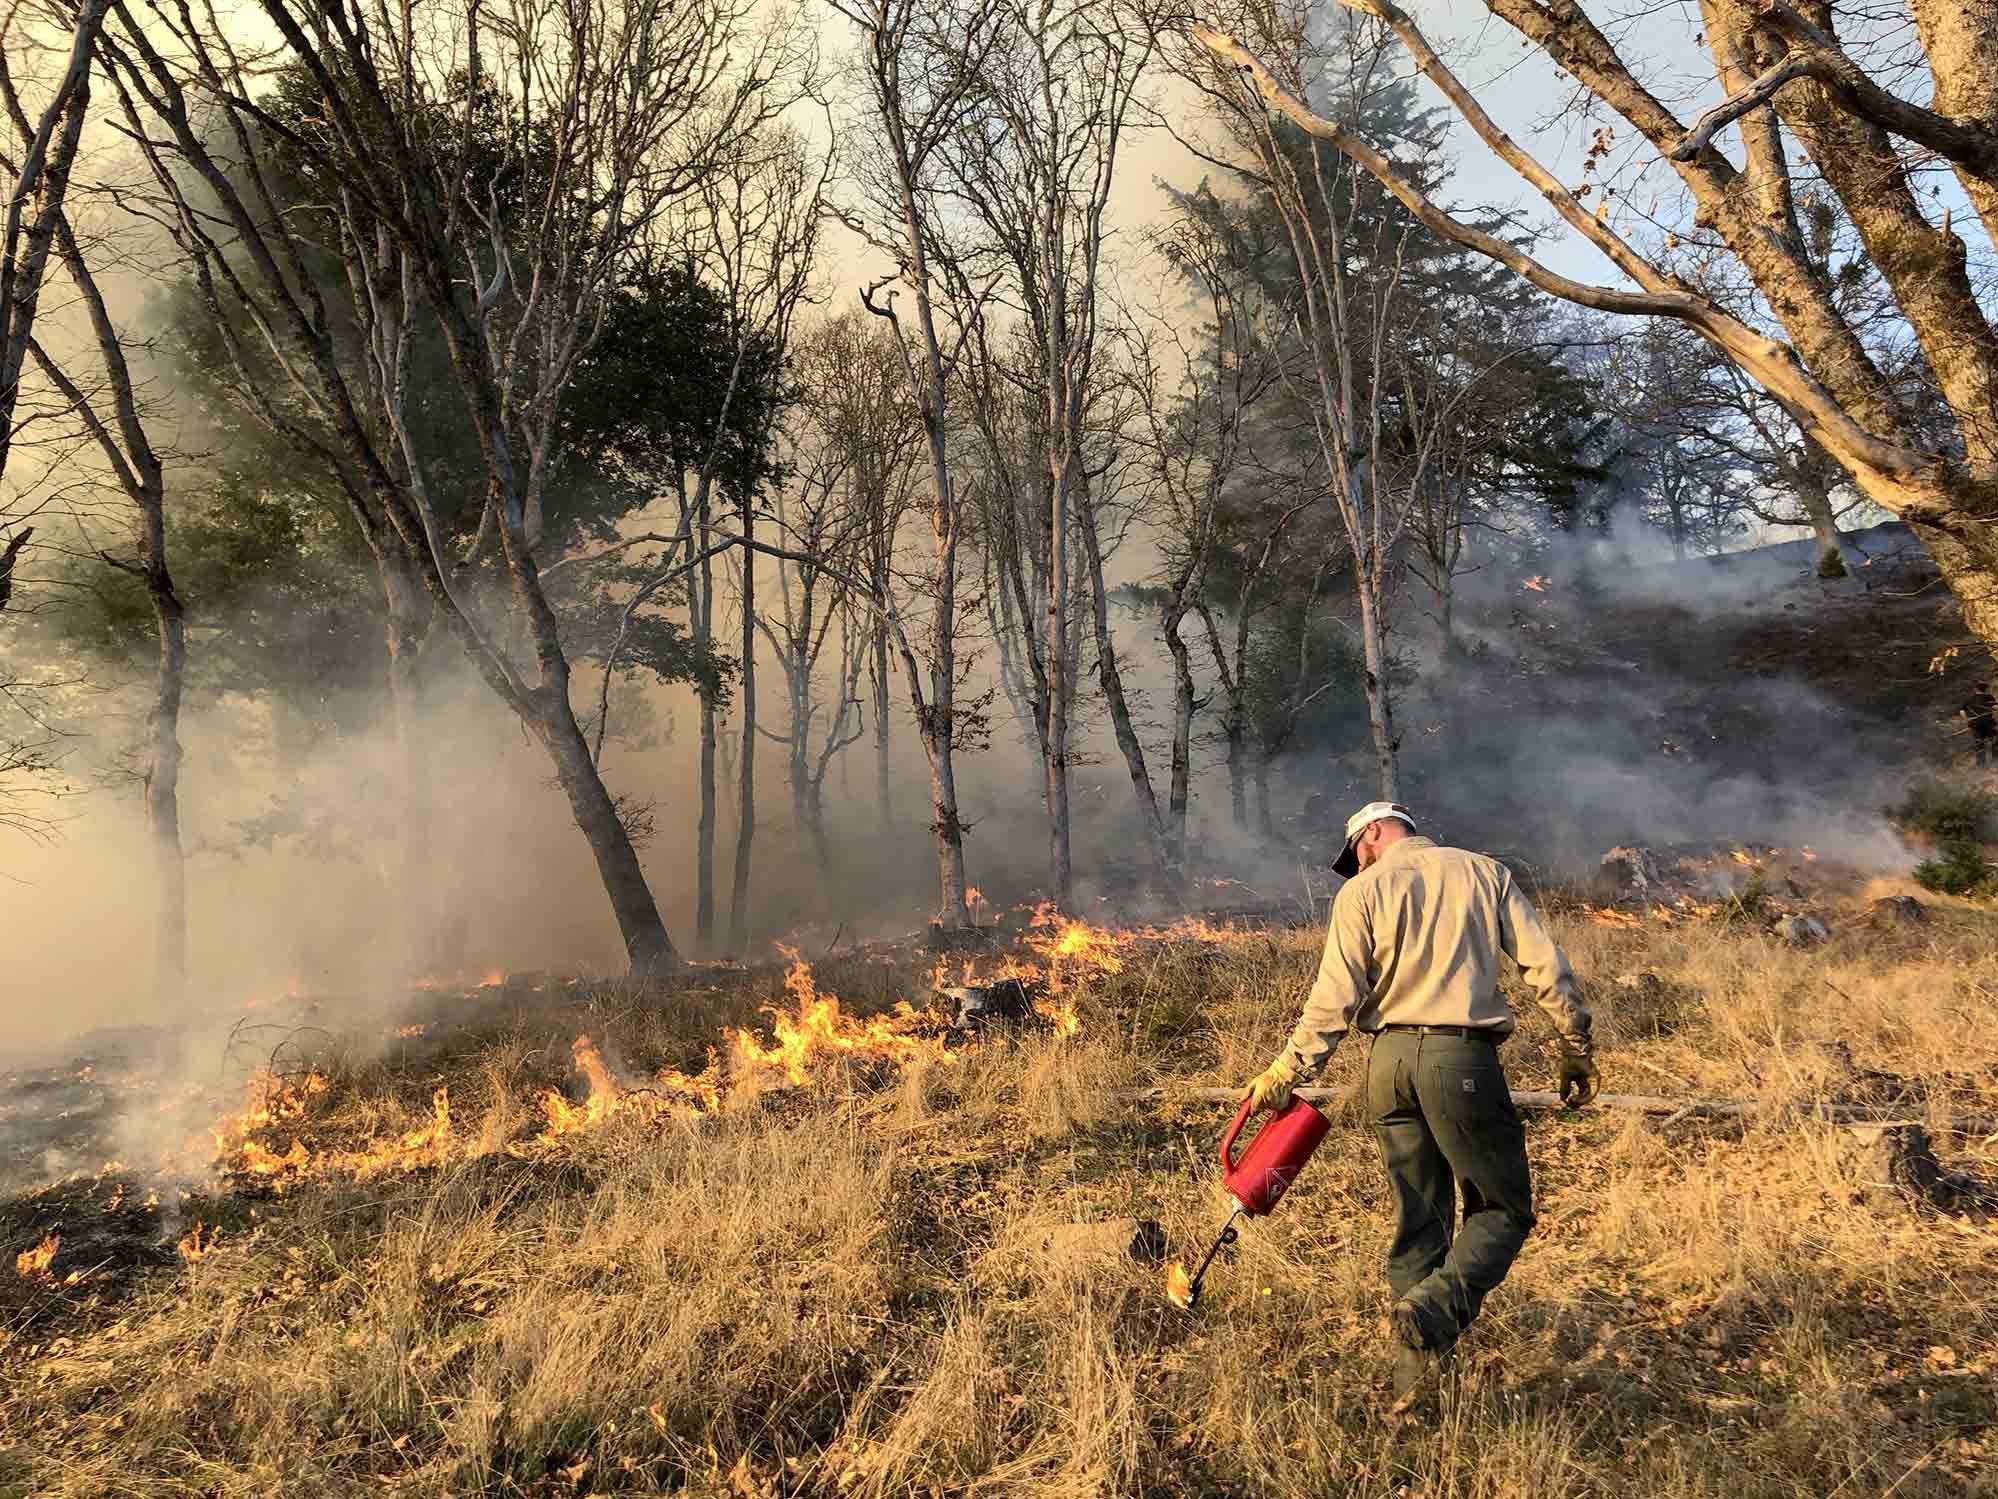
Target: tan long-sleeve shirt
[(1415, 939)]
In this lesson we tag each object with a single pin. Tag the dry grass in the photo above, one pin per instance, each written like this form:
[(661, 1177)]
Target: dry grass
[(831, 1291)]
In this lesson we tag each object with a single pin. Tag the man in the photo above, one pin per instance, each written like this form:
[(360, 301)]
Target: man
[(1980, 716), (1411, 958)]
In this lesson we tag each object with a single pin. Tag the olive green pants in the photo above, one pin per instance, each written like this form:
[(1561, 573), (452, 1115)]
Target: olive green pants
[(1444, 1116)]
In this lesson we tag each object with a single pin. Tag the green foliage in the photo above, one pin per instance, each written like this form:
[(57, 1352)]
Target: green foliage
[(1748, 906), (1946, 813), (284, 599), (1960, 869), (1957, 819)]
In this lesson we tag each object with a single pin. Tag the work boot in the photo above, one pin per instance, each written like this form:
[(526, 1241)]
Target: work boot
[(1418, 1368)]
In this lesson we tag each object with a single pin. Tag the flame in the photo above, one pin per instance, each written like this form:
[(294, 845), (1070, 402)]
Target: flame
[(1061, 1018), (1179, 1285), (566, 1118), (1684, 909), (818, 1029), (671, 1094), (812, 1030), (493, 978), (1538, 583), (1611, 916), (427, 1145), (33, 1264), (1066, 940), (272, 1100), (196, 1242), (1200, 929)]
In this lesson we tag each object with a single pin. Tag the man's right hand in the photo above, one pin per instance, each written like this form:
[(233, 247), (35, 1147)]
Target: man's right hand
[(1578, 1079)]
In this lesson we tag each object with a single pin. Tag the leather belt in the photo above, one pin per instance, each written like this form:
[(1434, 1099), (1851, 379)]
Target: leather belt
[(1467, 1032)]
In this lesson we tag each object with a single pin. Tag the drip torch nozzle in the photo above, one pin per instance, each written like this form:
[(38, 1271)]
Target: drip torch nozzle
[(1187, 1297)]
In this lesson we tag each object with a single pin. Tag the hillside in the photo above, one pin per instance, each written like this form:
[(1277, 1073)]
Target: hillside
[(489, 1257), (1735, 698), (784, 1230)]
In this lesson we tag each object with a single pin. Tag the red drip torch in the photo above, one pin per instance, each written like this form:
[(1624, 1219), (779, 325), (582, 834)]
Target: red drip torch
[(1263, 1174)]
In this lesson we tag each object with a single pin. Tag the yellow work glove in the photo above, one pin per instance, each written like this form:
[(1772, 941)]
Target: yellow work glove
[(1578, 1079), (1270, 1089)]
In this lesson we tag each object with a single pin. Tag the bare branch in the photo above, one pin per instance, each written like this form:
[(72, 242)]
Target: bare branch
[(1725, 113)]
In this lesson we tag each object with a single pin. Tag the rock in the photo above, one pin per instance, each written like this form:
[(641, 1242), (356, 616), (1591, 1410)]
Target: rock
[(950, 939), (1006, 1000), (1904, 909), (1893, 1166), (1803, 931), (1630, 871)]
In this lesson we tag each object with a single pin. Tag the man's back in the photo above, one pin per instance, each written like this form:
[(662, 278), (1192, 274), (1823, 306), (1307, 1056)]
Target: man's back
[(1415, 939)]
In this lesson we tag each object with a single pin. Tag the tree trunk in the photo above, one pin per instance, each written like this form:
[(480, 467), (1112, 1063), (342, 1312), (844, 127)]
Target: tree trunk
[(1178, 795), (883, 796), (644, 934), (745, 825), (883, 793), (1060, 872), (413, 897), (704, 831), (806, 805), (162, 781), (1380, 711), (813, 816), (951, 909), (1164, 865), (1961, 41), (1815, 498), (1265, 819), (1238, 778)]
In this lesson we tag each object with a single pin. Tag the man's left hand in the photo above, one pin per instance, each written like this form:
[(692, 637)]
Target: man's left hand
[(1578, 1079), (1270, 1089)]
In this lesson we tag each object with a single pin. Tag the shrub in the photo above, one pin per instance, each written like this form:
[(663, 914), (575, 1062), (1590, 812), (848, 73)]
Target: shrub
[(1748, 906), (1959, 870), (1948, 814)]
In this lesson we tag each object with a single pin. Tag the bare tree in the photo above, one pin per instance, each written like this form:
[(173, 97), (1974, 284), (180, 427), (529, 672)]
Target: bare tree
[(37, 173), (111, 413), (812, 608), (856, 400), (638, 101), (1789, 83), (1196, 395), (751, 229), (1035, 170), (852, 436), (1349, 267), (921, 85)]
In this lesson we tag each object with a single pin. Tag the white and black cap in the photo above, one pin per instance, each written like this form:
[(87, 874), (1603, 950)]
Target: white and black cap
[(1348, 863)]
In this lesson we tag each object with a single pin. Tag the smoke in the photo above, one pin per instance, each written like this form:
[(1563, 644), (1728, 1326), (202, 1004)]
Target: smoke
[(1713, 699), (1602, 708)]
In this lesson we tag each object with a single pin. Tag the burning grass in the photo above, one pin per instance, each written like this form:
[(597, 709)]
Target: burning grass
[(795, 1267)]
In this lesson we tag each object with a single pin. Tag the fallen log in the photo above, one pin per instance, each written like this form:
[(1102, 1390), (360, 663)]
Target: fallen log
[(1538, 1101)]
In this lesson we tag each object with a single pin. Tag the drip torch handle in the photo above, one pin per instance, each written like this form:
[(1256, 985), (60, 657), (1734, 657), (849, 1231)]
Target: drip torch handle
[(1235, 1129)]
